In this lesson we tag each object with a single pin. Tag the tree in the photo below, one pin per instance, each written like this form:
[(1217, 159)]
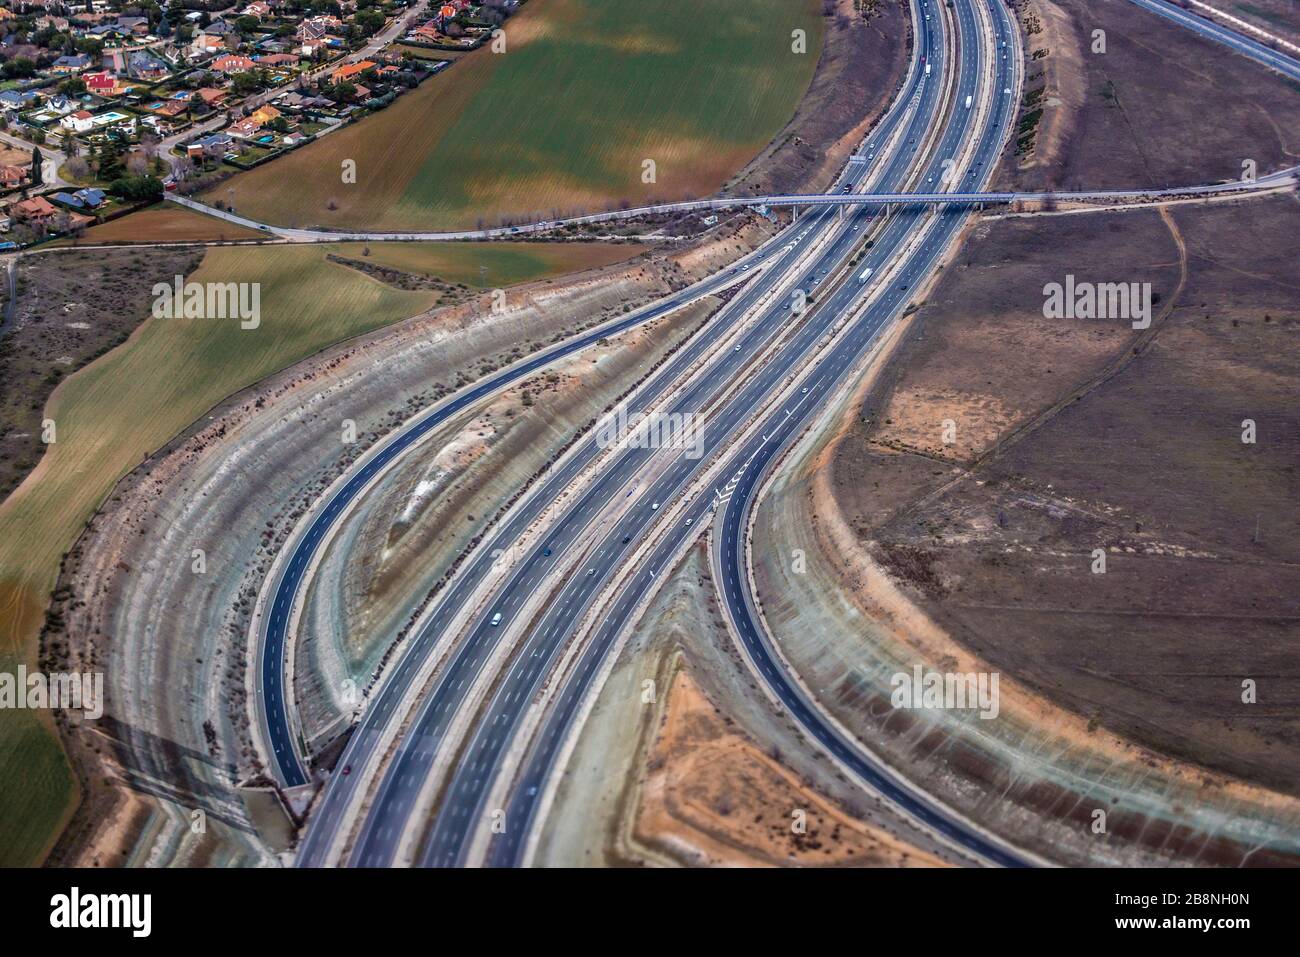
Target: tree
[(18, 68), (243, 84), (38, 175), (137, 187)]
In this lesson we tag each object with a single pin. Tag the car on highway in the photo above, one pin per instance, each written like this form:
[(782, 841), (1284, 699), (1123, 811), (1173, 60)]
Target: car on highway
[(496, 619), (654, 506)]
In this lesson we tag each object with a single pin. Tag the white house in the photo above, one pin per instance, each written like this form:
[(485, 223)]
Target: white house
[(81, 121)]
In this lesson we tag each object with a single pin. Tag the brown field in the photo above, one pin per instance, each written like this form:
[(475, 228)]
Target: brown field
[(166, 223), (1077, 435), (712, 798), (14, 156), (1161, 107)]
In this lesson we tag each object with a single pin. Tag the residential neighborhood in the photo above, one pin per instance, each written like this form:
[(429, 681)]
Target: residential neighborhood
[(106, 104)]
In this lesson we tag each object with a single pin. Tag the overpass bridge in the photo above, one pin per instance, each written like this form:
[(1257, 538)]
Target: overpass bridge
[(793, 200)]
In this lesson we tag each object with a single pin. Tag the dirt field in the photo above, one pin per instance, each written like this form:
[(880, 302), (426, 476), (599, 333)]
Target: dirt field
[(1081, 435), (560, 122), (712, 797), (166, 223), (71, 310), (1160, 107)]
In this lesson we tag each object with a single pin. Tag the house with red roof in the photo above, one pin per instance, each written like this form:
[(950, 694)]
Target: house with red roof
[(233, 63)]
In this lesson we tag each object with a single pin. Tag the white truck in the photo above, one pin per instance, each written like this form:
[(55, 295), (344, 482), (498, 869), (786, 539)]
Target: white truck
[(968, 101), (927, 69), (864, 276)]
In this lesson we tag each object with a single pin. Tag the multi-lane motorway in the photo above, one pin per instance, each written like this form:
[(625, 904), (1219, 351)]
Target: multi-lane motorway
[(392, 815), (397, 791), (506, 638)]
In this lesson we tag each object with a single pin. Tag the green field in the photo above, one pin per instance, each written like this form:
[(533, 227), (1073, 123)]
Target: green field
[(505, 263), (559, 123), (133, 400)]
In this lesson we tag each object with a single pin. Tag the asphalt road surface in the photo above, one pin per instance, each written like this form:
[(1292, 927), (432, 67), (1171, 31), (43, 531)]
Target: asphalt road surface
[(461, 808), (462, 812)]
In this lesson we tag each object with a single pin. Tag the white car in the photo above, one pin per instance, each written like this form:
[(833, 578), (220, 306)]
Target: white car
[(654, 506)]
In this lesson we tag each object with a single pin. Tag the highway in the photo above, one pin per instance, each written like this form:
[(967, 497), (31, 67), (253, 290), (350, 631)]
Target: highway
[(463, 809), (781, 254), (744, 465), (272, 625), (451, 675)]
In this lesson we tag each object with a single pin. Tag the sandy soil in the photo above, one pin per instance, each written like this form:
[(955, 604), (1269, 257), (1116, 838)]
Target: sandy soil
[(680, 728), (712, 798)]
